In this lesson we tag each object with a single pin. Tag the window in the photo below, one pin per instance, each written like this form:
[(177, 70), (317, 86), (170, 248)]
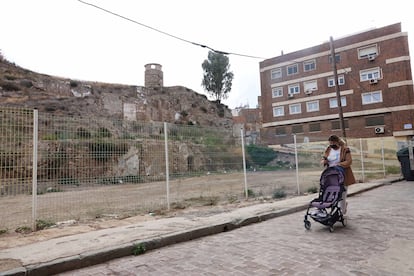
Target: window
[(292, 69), (309, 65), (280, 131), (333, 103), (295, 109), (276, 73), (372, 97), (310, 86), (312, 106), (369, 74), (278, 111), (277, 92), (337, 58), (331, 80), (375, 121), (297, 129), (315, 127), (337, 124), (294, 88), (369, 51)]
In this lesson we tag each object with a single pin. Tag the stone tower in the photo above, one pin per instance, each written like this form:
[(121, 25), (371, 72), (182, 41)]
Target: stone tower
[(153, 75)]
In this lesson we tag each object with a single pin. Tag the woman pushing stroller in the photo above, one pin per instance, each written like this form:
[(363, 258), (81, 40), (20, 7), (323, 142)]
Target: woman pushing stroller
[(338, 155)]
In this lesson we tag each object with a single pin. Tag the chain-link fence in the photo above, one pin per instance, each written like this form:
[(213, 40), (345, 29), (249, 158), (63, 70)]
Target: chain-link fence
[(90, 168)]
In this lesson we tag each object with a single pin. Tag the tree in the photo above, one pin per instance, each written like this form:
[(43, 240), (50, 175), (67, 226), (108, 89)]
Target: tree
[(217, 78)]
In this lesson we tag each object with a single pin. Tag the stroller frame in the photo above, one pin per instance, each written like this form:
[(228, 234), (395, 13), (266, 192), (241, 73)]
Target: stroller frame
[(326, 204)]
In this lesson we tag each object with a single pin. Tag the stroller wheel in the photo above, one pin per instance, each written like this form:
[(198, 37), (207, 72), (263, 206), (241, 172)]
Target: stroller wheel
[(331, 229), (307, 224), (344, 221)]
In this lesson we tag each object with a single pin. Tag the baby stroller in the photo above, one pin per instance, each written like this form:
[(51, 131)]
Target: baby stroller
[(325, 209)]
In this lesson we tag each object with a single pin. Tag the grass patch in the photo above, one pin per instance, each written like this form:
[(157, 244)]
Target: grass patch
[(393, 170)]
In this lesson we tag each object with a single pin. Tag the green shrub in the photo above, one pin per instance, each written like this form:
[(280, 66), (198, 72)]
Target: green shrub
[(73, 83), (43, 224), (279, 193), (9, 86), (103, 151), (83, 133), (312, 190), (103, 132), (26, 83), (260, 155), (250, 193)]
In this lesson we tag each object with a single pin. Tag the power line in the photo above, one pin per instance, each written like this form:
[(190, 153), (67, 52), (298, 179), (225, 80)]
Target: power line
[(168, 34)]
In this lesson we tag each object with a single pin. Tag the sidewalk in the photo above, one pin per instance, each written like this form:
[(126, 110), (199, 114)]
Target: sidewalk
[(61, 254)]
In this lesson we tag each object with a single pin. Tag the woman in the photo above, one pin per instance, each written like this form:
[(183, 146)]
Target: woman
[(339, 155)]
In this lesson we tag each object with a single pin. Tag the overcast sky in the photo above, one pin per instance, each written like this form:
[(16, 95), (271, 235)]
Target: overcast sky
[(70, 39)]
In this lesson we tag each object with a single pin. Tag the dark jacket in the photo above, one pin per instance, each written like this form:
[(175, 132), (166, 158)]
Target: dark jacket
[(346, 162)]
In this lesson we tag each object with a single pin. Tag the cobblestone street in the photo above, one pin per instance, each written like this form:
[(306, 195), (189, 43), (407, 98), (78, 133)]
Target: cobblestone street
[(378, 240)]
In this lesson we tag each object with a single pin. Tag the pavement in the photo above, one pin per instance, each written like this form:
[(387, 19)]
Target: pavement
[(59, 254)]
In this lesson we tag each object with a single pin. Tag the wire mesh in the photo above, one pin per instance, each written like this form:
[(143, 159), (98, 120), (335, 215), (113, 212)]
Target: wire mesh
[(16, 150), (95, 168)]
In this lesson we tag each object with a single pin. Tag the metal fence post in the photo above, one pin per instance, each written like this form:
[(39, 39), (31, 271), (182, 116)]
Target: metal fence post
[(362, 159), (244, 164), (383, 155), (34, 168), (167, 171), (296, 163)]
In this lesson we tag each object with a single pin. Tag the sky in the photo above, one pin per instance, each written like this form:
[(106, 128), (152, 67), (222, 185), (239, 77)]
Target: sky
[(71, 39)]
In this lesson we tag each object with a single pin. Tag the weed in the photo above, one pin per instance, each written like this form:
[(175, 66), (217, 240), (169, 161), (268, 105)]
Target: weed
[(3, 231), (43, 224), (23, 229), (138, 249), (279, 193), (250, 193), (68, 181), (312, 190), (232, 198)]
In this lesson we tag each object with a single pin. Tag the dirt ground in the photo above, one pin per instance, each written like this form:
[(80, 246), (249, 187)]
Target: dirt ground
[(82, 210)]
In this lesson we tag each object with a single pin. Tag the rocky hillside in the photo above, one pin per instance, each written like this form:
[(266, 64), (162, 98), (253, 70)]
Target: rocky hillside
[(23, 88)]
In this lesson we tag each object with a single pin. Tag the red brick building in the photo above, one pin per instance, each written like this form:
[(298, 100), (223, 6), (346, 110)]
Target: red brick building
[(298, 90)]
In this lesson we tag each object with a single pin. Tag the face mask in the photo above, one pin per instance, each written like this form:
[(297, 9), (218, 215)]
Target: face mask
[(334, 146)]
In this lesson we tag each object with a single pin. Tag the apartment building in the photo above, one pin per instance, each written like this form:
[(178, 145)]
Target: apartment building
[(248, 119), (374, 80)]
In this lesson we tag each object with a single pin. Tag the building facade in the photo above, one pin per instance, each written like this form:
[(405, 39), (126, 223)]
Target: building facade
[(250, 120), (299, 92)]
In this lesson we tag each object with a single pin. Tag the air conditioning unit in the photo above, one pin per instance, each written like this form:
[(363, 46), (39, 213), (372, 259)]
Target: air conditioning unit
[(290, 95), (308, 92), (379, 130), (373, 81), (372, 57)]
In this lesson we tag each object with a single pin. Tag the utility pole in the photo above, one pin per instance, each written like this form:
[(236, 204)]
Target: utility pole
[(338, 94)]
